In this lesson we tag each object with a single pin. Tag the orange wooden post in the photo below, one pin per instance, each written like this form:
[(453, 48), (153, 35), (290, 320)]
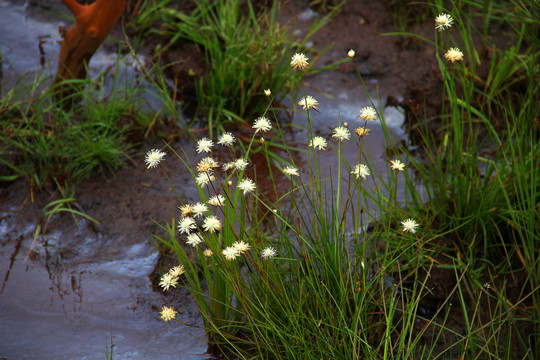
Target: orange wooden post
[(93, 23)]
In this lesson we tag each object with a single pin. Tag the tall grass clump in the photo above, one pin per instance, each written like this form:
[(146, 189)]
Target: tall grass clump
[(329, 265), (481, 170), (245, 51), (43, 139)]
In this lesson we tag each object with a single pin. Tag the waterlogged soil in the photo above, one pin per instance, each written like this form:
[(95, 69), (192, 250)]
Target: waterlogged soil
[(65, 292)]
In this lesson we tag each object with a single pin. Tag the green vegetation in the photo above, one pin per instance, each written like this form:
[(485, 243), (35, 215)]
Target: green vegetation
[(245, 52), (355, 273), (42, 141), (322, 263)]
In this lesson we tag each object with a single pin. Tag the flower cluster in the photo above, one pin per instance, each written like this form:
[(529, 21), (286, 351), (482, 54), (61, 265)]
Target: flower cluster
[(200, 222), (171, 278), (443, 22)]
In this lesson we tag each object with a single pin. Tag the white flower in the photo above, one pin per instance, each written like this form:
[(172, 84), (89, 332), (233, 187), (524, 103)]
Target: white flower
[(360, 170), (453, 55), (205, 144), (309, 102), (194, 239), (228, 166), (240, 164), (397, 165), (185, 225), (241, 246), (443, 21), (176, 271), (409, 225), (291, 171), (230, 253), (217, 200), (299, 61), (186, 209), (204, 178), (211, 224), (268, 252), (318, 142), (351, 53), (368, 113), (341, 133), (153, 158), (362, 131), (199, 208), (267, 92), (167, 280), (207, 164), (167, 313), (246, 185), (226, 139), (208, 252), (262, 124)]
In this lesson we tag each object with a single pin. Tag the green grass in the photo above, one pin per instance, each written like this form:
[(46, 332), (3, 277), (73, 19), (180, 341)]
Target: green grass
[(42, 141), (335, 291), (245, 53)]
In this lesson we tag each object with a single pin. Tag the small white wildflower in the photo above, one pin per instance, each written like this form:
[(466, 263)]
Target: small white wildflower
[(453, 55), (341, 133), (217, 200), (230, 253), (207, 164), (443, 21), (204, 178), (360, 170), (240, 164), (397, 165), (268, 252), (368, 113), (226, 139), (409, 225), (186, 209), (185, 225), (318, 142), (228, 166), (208, 252), (299, 61), (246, 185), (267, 92), (153, 158), (241, 246), (194, 239), (167, 313), (362, 131), (211, 224), (351, 53), (199, 208), (262, 124), (167, 281), (205, 144), (309, 102), (291, 171), (176, 271)]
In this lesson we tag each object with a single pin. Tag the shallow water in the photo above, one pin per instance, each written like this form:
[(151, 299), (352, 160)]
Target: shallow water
[(79, 286)]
